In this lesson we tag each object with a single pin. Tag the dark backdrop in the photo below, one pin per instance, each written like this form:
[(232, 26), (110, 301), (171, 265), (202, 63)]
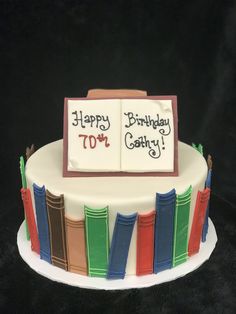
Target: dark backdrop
[(49, 51)]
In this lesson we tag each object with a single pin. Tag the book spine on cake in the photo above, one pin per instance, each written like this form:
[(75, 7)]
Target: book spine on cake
[(56, 219), (42, 222), (198, 221), (121, 238), (205, 225), (75, 243), (29, 212), (145, 243), (180, 248), (24, 185), (97, 241), (164, 230)]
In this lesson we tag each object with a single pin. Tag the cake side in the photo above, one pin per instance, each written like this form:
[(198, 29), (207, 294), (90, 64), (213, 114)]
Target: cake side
[(123, 195)]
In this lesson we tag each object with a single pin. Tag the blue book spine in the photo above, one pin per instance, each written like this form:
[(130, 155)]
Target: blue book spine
[(164, 230), (205, 225), (42, 222), (121, 238)]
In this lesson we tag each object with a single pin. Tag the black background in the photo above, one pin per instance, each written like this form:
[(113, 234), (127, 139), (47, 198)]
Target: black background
[(54, 49)]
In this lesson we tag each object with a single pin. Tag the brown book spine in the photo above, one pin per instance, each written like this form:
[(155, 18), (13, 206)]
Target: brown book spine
[(75, 243), (56, 220)]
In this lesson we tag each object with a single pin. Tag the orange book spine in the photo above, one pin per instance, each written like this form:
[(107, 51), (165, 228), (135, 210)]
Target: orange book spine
[(76, 249), (29, 212), (145, 243), (198, 221)]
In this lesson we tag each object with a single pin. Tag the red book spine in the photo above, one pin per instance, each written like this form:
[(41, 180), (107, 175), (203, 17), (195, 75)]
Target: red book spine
[(29, 212), (198, 221), (145, 243)]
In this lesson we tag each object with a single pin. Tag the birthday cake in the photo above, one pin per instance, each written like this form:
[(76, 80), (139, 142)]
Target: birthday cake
[(119, 195)]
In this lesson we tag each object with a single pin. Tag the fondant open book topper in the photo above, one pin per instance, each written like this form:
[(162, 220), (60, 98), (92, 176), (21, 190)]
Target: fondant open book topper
[(120, 133)]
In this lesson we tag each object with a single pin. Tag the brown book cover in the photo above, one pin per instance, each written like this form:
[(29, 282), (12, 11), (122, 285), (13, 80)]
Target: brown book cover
[(106, 93), (56, 220), (75, 244)]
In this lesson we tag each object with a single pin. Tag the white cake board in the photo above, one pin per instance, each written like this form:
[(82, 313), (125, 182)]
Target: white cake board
[(57, 274)]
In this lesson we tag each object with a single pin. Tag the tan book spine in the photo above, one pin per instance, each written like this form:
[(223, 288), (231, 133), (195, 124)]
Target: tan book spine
[(75, 243)]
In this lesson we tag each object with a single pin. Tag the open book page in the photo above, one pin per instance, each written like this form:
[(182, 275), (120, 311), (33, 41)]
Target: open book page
[(94, 135), (147, 135)]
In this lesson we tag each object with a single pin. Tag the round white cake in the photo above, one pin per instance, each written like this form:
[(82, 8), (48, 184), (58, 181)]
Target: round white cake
[(125, 195)]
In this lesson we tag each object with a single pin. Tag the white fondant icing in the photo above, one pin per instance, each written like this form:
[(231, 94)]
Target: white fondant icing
[(142, 121), (125, 195)]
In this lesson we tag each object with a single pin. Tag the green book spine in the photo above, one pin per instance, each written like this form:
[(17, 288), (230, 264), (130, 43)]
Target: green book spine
[(27, 230), (24, 185), (97, 241), (198, 147), (180, 249)]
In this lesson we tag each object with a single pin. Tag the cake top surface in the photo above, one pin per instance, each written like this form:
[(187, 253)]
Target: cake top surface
[(44, 167)]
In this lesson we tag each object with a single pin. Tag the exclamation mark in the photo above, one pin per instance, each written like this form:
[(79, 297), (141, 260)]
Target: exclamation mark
[(163, 143)]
